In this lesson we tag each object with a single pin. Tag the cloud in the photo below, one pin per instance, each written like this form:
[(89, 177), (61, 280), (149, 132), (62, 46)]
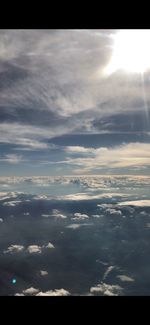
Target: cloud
[(14, 249), (56, 213), (108, 271), (75, 226), (97, 215), (12, 203), (52, 84), (43, 273), (125, 278), (123, 156), (46, 215), (32, 249), (30, 291), (49, 245), (12, 159), (114, 211), (87, 196), (80, 216), (1, 220), (143, 213), (36, 292), (106, 289), (56, 292), (138, 203), (79, 149)]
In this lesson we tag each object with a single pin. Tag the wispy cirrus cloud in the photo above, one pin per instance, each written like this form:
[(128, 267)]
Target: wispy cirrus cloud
[(52, 84)]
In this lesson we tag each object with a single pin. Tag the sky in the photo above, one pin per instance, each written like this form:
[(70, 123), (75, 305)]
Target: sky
[(61, 114)]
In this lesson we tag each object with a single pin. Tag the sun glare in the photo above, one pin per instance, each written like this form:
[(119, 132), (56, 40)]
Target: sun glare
[(131, 52)]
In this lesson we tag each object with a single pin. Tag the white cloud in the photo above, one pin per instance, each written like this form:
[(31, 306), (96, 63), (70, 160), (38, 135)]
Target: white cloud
[(56, 292), (74, 226), (97, 216), (56, 213), (36, 292), (106, 289), (32, 249), (125, 278), (80, 216), (36, 249), (114, 211), (12, 203), (108, 271), (138, 203), (123, 156), (14, 249), (43, 273), (30, 291), (77, 225), (41, 197), (78, 149), (49, 245), (1, 220)]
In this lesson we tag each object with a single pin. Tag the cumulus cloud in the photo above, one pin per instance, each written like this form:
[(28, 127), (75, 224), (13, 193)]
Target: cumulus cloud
[(114, 211), (31, 249), (106, 289), (56, 292), (30, 291), (56, 213), (49, 245), (12, 203), (14, 249), (36, 292), (34, 249), (43, 273), (125, 278), (80, 216)]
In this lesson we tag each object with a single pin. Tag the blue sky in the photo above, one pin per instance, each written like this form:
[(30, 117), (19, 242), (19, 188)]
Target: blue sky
[(59, 115)]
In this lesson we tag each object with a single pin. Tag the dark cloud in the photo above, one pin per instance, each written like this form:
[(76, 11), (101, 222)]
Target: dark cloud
[(126, 122)]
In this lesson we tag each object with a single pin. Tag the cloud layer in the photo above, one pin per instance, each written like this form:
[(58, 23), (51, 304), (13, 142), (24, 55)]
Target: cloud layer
[(52, 85)]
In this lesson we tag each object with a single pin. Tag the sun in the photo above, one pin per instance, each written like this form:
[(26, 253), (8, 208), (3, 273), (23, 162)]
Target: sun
[(131, 51)]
